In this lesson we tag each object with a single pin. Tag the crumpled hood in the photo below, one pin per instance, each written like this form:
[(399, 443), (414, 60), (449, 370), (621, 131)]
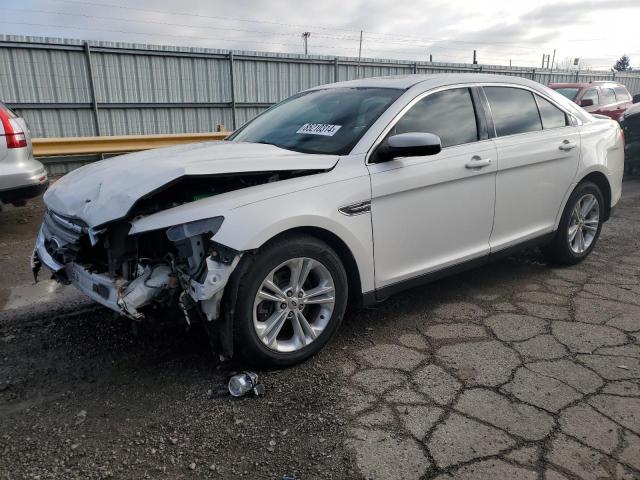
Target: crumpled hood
[(106, 190)]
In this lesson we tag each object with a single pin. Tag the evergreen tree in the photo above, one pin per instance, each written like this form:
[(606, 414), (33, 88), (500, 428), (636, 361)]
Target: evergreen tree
[(622, 64)]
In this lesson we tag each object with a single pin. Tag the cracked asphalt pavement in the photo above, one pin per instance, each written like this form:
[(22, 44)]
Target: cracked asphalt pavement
[(518, 370)]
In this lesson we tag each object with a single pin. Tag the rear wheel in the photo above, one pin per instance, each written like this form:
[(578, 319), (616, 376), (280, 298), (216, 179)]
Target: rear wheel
[(290, 302), (579, 226)]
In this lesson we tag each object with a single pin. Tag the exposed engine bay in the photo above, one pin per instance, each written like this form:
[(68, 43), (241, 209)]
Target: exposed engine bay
[(178, 268)]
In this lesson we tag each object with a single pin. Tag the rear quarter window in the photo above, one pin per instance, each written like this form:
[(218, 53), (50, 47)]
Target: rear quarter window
[(622, 95), (552, 116)]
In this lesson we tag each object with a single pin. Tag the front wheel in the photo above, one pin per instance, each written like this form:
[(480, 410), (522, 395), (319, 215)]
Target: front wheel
[(579, 226), (291, 300)]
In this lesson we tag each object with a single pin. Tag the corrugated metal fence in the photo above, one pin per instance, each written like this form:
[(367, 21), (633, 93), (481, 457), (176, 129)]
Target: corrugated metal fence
[(72, 88)]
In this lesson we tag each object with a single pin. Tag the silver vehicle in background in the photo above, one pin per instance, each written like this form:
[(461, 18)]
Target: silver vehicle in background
[(21, 176)]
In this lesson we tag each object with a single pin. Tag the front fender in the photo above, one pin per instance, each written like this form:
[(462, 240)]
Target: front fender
[(251, 226)]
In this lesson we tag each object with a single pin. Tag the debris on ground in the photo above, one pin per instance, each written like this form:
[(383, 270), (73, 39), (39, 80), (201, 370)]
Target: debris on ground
[(243, 383)]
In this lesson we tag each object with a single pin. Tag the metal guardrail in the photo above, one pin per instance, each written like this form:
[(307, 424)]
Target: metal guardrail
[(51, 147)]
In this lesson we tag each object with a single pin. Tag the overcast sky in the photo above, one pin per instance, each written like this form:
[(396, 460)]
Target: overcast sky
[(596, 31)]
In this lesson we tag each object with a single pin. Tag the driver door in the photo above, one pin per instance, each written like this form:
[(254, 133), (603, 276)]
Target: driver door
[(432, 212)]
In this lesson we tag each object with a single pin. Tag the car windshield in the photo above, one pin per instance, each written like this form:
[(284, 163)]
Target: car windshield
[(329, 121), (570, 92)]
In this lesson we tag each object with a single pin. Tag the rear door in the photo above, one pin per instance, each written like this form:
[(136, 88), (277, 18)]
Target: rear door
[(538, 155)]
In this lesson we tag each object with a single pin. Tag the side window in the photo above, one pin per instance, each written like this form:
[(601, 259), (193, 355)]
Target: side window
[(552, 116), (514, 110), (607, 96), (621, 94), (591, 94), (448, 114)]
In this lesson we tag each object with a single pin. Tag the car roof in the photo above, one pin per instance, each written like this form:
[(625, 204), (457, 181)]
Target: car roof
[(597, 83), (569, 85), (421, 83), (405, 82)]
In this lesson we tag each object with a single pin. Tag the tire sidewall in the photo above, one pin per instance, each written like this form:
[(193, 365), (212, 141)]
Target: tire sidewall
[(582, 190), (266, 259)]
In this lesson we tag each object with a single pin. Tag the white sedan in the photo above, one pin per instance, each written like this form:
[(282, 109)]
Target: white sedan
[(344, 192)]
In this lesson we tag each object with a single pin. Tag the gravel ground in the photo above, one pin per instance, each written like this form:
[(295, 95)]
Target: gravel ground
[(512, 371)]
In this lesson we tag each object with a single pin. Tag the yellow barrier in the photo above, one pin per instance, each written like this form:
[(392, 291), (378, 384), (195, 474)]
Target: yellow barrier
[(49, 147)]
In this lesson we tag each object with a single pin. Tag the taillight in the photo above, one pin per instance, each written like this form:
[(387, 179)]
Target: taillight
[(13, 133)]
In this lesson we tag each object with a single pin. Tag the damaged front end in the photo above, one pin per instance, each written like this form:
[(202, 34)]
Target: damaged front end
[(176, 268), (179, 268)]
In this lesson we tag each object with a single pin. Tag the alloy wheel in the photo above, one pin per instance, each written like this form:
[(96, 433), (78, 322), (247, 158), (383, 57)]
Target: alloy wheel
[(583, 224), (293, 304)]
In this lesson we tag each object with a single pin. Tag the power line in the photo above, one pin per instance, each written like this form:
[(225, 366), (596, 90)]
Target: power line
[(459, 59), (156, 34), (145, 10), (428, 43), (244, 40), (151, 22), (238, 40), (305, 27)]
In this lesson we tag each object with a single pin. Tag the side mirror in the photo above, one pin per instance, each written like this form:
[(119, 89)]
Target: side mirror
[(636, 98), (412, 144), (587, 102)]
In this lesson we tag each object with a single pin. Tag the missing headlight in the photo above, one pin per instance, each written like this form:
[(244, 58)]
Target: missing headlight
[(179, 233)]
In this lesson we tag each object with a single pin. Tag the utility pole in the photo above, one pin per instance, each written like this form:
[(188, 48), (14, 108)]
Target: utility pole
[(430, 58), (553, 60), (359, 54), (509, 63), (543, 56), (475, 59), (305, 38)]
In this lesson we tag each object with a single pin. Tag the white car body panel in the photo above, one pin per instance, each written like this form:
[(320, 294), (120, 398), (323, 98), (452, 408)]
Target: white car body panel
[(427, 213), (603, 151), (416, 226), (534, 176), (257, 214)]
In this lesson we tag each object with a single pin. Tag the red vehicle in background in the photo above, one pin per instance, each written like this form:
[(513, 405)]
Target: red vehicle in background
[(604, 98)]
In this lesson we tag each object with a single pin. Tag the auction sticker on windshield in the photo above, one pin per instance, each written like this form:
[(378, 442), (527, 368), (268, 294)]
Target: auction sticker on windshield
[(319, 129)]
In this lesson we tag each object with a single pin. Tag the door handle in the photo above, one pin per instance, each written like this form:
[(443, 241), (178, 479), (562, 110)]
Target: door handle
[(566, 145), (477, 163)]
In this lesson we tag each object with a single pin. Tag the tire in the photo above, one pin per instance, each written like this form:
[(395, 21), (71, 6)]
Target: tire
[(565, 248), (257, 318)]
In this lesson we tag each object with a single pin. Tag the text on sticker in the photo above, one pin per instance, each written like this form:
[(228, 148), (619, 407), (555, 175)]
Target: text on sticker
[(319, 129)]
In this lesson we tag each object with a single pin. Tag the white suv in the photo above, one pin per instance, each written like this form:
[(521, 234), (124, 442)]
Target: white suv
[(351, 191)]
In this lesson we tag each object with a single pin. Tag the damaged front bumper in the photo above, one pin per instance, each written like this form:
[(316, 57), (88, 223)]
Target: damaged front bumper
[(129, 297)]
